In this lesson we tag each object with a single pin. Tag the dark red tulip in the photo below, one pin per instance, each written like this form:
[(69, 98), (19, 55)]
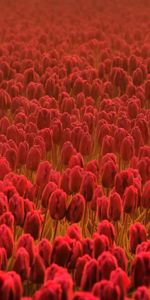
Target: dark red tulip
[(22, 263), (146, 195), (7, 218), (3, 259), (50, 187), (75, 209), (102, 208), (66, 152), (6, 239), (106, 264), (87, 186), (50, 290), (44, 250), (90, 275), (100, 244), (33, 158), (142, 293), (137, 236), (60, 252), (109, 170), (73, 231), (141, 269), (33, 223), (120, 255), (106, 290), (123, 179), (16, 206), (75, 179), (37, 272), (120, 278), (114, 207), (3, 203), (57, 204), (27, 241), (107, 228), (43, 173), (130, 199)]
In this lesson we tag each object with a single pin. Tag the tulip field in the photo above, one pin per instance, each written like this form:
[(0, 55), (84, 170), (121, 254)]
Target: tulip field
[(74, 150)]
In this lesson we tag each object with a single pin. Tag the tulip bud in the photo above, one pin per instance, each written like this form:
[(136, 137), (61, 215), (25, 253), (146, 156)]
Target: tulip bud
[(66, 152), (5, 169), (106, 264), (106, 290), (44, 250), (100, 244), (16, 206), (43, 118), (142, 293), (33, 224), (26, 241), (73, 231), (76, 252), (109, 171), (3, 259), (6, 239), (127, 148), (97, 194), (87, 186), (120, 278), (81, 261), (143, 247), (137, 77), (120, 255), (146, 195), (102, 208), (114, 207), (130, 199), (22, 263), (75, 179), (60, 251), (47, 137), (11, 287), (5, 100), (33, 158), (108, 145), (137, 235), (122, 180), (52, 270), (140, 269), (48, 190), (43, 173), (76, 160), (83, 296), (22, 153), (75, 209), (85, 146), (107, 228), (87, 245), (90, 275), (92, 166), (50, 290), (11, 156), (132, 108), (147, 90), (37, 272), (3, 204), (22, 185), (57, 204), (7, 218)]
